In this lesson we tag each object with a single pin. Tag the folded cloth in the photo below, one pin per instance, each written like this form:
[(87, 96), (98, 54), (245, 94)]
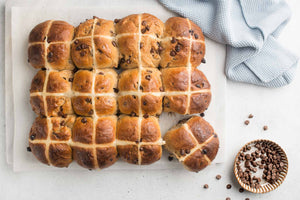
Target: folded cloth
[(249, 29)]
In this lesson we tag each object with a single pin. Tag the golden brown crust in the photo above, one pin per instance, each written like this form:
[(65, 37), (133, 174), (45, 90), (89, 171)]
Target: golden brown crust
[(38, 81), (85, 157), (128, 153), (176, 27), (129, 51), (176, 103), (150, 130), (175, 79), (129, 104), (83, 81), (106, 130), (106, 156), (129, 24), (193, 142), (128, 80), (62, 128), (127, 129), (105, 80), (105, 105), (60, 154), (59, 81), (39, 129), (58, 53), (150, 154), (82, 53), (151, 105), (39, 151), (83, 130)]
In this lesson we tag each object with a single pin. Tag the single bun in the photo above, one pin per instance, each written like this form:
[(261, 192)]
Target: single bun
[(184, 93), (139, 40), (50, 93), (94, 144), (193, 142), (49, 140), (49, 45), (94, 45), (183, 44), (94, 92), (140, 99), (139, 139)]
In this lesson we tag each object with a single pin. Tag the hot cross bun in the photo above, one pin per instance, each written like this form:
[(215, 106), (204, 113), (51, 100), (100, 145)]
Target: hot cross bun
[(193, 142)]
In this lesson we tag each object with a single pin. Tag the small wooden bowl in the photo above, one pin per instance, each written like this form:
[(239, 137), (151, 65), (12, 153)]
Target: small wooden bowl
[(267, 187)]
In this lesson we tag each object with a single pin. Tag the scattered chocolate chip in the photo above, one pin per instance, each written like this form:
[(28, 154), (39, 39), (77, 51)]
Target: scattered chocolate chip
[(228, 198), (128, 61), (198, 85), (161, 89), (250, 116), (76, 42), (204, 151), (88, 100), (71, 79), (117, 21), (170, 157), (205, 186), (63, 123), (196, 36), (148, 77), (177, 48), (144, 23), (32, 137), (28, 149), (265, 128), (202, 114), (116, 90), (203, 60), (141, 88), (228, 186), (247, 199), (144, 103), (246, 122), (143, 30), (114, 43), (146, 115), (84, 120), (133, 114), (141, 45), (50, 54), (241, 190), (218, 177), (141, 149), (98, 23), (172, 53), (147, 28), (173, 40), (191, 32), (187, 151), (137, 142)]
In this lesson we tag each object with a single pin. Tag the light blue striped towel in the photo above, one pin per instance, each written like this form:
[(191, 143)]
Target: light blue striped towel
[(249, 29)]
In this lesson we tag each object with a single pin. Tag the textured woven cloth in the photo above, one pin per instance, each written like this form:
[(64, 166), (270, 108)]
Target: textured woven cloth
[(249, 29)]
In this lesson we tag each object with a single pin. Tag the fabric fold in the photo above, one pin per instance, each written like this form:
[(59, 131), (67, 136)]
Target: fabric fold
[(249, 29)]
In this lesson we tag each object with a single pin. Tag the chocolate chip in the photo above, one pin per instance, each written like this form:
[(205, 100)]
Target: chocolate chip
[(265, 128), (141, 88), (148, 77), (50, 54), (147, 28), (177, 48), (116, 90), (187, 151), (218, 177), (146, 116), (141, 149), (228, 186), (28, 149), (32, 137), (76, 42), (91, 112), (84, 120), (170, 158), (204, 151), (98, 23), (246, 122), (88, 100), (144, 23), (70, 79), (228, 198), (191, 32), (141, 45), (144, 103), (241, 190), (203, 60), (114, 43), (172, 53), (247, 199), (205, 186), (117, 21), (250, 116), (128, 61), (198, 85), (63, 123), (173, 40), (202, 114), (161, 89), (196, 36), (143, 30), (133, 114), (133, 96)]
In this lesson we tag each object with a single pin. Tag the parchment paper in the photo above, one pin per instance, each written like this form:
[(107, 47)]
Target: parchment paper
[(23, 19)]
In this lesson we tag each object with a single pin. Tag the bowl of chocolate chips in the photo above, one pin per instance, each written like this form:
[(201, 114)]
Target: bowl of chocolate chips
[(261, 166)]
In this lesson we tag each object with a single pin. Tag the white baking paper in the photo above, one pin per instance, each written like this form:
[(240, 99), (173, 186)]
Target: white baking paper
[(23, 19)]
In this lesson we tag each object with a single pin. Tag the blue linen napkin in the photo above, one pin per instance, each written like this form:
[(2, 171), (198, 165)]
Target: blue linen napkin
[(249, 29)]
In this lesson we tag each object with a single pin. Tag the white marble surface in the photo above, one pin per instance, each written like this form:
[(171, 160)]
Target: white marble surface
[(277, 108)]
